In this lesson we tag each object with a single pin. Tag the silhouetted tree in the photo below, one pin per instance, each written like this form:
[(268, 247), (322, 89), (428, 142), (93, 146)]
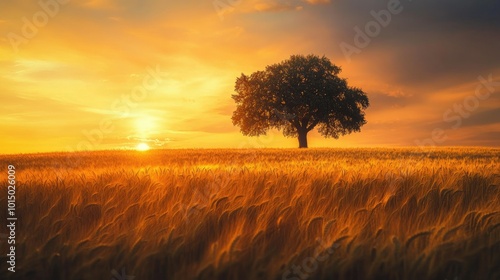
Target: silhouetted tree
[(297, 95)]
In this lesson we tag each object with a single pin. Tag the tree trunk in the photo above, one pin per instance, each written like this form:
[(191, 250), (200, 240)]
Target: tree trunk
[(302, 139)]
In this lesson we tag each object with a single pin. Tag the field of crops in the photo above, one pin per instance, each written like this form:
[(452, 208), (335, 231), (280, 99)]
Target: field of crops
[(256, 214)]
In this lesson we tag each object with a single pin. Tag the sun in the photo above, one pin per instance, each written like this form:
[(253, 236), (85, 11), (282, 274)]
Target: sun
[(142, 147)]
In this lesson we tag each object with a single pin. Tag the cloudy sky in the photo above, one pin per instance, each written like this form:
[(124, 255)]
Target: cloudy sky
[(108, 74)]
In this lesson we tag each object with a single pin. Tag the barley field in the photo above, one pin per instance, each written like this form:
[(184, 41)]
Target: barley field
[(401, 213)]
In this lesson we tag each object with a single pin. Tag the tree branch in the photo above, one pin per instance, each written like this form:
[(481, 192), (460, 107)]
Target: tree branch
[(314, 123)]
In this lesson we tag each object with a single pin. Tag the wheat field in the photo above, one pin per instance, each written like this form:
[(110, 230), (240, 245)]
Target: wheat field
[(381, 213)]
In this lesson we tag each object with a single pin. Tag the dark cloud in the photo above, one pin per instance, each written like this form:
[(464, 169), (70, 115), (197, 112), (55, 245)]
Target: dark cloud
[(483, 118), (489, 138), (383, 101), (464, 12), (429, 41)]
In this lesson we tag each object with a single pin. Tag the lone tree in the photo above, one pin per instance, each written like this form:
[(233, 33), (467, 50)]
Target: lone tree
[(297, 95)]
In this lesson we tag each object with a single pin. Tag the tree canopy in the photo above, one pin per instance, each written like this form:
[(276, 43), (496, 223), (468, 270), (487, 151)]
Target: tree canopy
[(297, 95)]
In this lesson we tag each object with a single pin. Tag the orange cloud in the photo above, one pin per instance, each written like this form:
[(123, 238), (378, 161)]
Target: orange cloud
[(90, 57)]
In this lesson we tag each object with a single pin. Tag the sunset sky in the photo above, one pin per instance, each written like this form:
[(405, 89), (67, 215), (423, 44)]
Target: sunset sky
[(70, 70)]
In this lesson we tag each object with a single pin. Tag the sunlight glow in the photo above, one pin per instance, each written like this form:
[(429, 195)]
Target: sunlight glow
[(145, 125), (142, 147)]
